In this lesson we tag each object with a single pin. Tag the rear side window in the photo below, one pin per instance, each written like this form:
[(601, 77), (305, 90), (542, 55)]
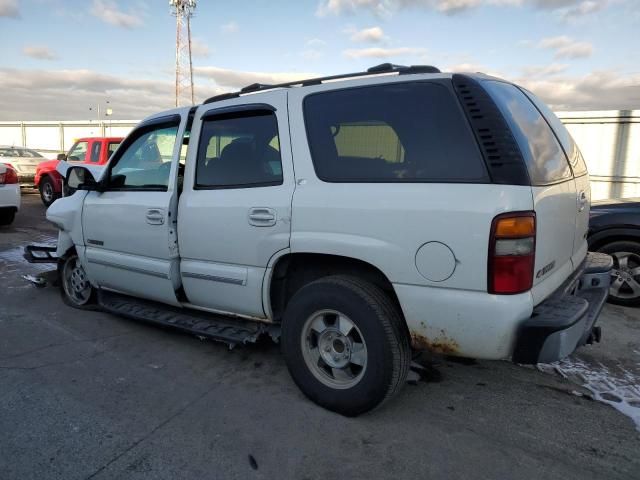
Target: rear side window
[(113, 146), (568, 144), (398, 132), (95, 151), (545, 158), (239, 150)]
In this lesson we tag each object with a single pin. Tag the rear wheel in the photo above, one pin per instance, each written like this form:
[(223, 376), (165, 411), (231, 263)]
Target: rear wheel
[(47, 191), (75, 287), (7, 215), (625, 276), (345, 344)]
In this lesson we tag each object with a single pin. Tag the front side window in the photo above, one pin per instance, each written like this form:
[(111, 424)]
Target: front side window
[(146, 162), (95, 152), (78, 152), (396, 132), (239, 151), (542, 153)]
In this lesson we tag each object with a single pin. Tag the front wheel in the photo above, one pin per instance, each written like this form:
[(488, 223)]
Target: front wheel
[(48, 193), (345, 344), (75, 287)]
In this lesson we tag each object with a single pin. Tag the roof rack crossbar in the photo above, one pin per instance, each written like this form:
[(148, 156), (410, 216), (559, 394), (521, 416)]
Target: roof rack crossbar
[(376, 70)]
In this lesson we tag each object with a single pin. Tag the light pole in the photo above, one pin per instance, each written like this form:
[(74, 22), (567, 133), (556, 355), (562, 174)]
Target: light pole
[(107, 113)]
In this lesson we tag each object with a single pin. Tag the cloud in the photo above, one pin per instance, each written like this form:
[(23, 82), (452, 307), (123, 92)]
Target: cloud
[(9, 9), (566, 47), (378, 52), (583, 8), (199, 48), (315, 43), (386, 8), (108, 12), (39, 52), (231, 27), (544, 71), (234, 79), (372, 35), (600, 90), (36, 94)]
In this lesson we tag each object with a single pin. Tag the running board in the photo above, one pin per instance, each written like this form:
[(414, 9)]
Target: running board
[(230, 330)]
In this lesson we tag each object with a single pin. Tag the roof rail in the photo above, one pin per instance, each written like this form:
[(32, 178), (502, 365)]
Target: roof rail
[(376, 70)]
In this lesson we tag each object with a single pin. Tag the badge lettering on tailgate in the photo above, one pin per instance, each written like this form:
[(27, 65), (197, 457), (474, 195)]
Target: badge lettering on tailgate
[(546, 269)]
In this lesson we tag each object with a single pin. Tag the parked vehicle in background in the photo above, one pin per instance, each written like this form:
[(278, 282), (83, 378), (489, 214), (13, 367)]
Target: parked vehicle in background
[(24, 161), (9, 194), (89, 151), (614, 228), (355, 220)]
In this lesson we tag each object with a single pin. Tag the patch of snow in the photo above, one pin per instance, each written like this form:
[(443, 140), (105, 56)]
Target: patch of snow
[(621, 389)]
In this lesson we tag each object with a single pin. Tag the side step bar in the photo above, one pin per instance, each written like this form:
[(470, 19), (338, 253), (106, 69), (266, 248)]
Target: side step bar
[(230, 330)]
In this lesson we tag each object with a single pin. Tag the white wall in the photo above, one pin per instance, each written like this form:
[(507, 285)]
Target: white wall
[(610, 143), (53, 137), (609, 140)]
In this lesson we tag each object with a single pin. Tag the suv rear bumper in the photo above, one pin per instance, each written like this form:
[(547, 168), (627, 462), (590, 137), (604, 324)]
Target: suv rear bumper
[(566, 320)]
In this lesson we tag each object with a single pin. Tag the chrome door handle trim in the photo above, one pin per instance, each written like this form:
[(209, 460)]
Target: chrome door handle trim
[(262, 217), (155, 216)]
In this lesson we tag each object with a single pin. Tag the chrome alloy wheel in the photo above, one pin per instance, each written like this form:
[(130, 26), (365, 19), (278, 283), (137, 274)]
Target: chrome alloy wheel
[(47, 192), (75, 283), (625, 275), (334, 349)]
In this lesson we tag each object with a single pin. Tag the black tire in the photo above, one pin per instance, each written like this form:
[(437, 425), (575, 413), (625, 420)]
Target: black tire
[(7, 215), (66, 290), (47, 191), (625, 285), (377, 320)]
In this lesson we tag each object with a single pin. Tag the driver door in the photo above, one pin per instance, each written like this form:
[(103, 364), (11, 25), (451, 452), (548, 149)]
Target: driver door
[(129, 229)]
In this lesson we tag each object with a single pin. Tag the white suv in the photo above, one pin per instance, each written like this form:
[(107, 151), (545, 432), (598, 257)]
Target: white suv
[(357, 217)]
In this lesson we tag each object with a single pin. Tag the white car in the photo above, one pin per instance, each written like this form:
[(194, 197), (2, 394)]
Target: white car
[(23, 160), (9, 194), (354, 218)]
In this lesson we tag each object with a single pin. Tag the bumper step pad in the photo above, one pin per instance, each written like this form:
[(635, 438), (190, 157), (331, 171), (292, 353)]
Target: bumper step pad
[(230, 330), (566, 320)]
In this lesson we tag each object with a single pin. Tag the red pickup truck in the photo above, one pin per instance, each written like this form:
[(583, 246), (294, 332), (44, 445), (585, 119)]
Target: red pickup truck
[(93, 151)]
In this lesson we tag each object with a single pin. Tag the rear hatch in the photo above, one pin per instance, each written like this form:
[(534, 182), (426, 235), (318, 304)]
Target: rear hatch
[(561, 203)]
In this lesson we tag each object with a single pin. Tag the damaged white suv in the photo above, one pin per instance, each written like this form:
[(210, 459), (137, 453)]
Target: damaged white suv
[(354, 217)]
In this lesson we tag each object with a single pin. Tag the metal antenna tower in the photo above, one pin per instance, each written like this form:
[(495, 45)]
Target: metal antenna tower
[(183, 11)]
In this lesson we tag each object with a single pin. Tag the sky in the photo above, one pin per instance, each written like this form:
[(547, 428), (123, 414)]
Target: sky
[(63, 58)]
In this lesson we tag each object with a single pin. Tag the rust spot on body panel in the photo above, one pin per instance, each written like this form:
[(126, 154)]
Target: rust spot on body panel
[(440, 344)]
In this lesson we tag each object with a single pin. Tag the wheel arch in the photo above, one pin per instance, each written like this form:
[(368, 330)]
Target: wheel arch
[(610, 235), (290, 271)]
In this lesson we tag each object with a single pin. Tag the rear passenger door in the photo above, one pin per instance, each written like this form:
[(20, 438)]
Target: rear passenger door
[(235, 208)]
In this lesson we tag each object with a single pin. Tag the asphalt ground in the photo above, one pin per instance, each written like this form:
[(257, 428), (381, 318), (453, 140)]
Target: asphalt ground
[(91, 395)]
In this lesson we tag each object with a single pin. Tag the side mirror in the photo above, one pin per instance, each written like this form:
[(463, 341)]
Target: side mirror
[(80, 178), (62, 157)]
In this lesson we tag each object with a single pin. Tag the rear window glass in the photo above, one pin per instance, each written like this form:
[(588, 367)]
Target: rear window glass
[(398, 132), (569, 145), (545, 159)]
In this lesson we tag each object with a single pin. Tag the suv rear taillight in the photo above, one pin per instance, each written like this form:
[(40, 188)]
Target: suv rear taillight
[(9, 177), (512, 247)]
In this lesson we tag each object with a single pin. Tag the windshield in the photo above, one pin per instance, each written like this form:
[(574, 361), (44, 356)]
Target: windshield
[(18, 152)]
